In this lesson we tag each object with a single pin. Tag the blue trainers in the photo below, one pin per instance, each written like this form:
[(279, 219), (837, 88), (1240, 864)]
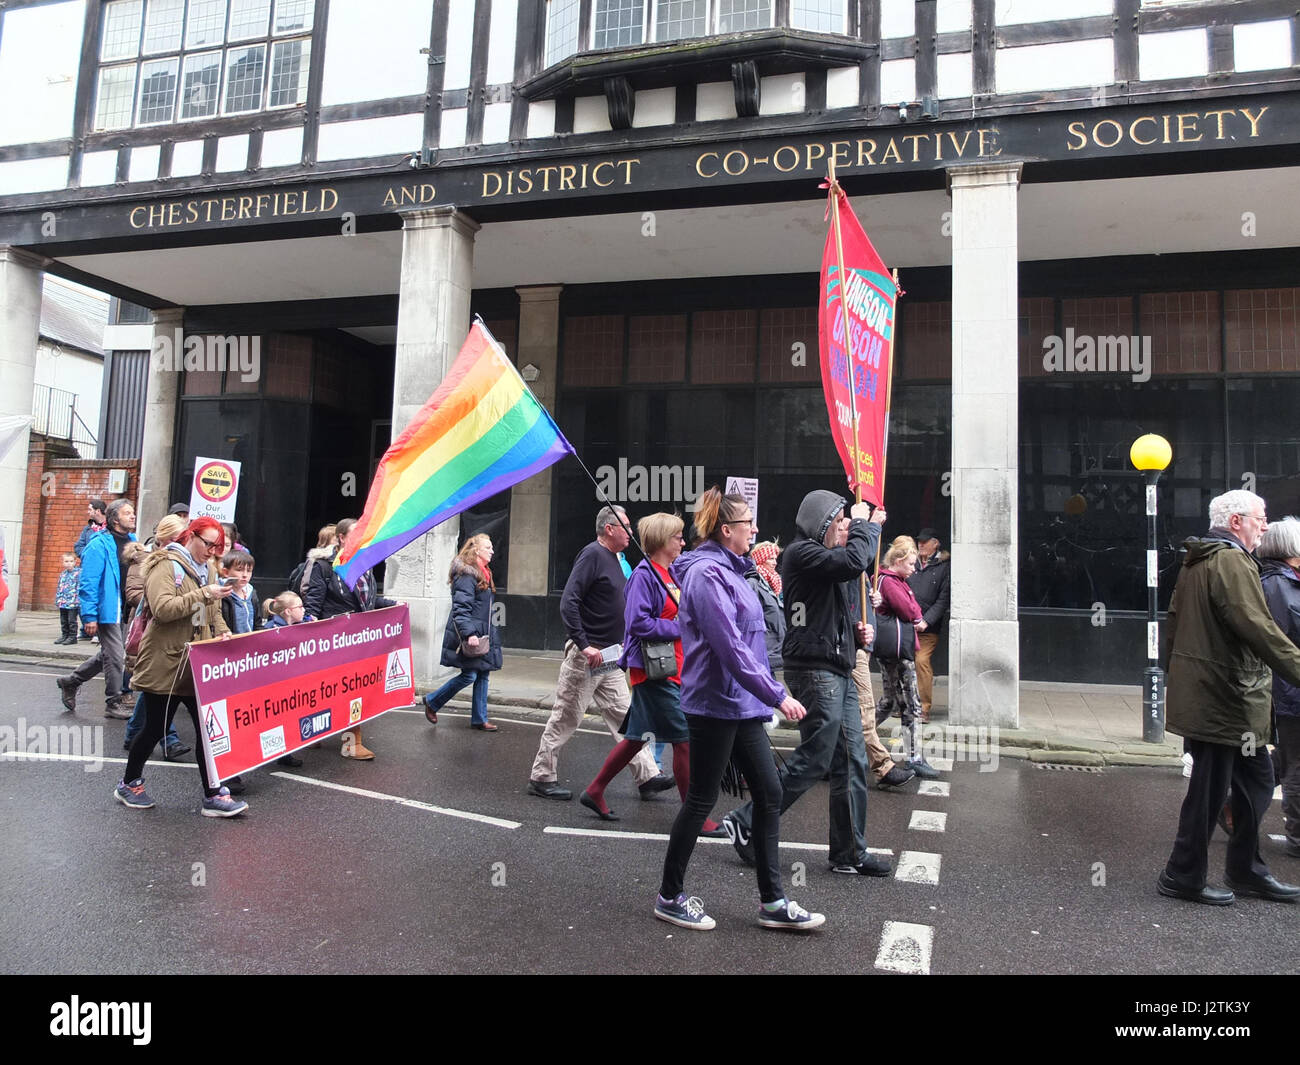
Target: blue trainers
[(222, 805), (790, 915), (133, 795), (684, 912)]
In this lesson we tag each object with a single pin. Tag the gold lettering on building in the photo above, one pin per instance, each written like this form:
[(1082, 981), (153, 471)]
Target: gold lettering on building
[(1189, 127), (234, 208), (567, 177)]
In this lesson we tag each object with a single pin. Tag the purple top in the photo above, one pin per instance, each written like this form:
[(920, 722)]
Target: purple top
[(724, 668), (645, 597)]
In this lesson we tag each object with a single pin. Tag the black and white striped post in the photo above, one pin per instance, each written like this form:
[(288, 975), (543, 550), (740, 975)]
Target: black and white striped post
[(1151, 454)]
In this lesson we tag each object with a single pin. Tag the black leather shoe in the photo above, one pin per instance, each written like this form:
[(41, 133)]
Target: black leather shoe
[(1265, 887), (1211, 896), (290, 761), (873, 866), (655, 785), (236, 785), (548, 789), (590, 804), (175, 751)]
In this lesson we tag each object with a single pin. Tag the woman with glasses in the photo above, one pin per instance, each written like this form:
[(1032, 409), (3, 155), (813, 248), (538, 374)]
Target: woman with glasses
[(655, 715), (185, 601), (727, 694)]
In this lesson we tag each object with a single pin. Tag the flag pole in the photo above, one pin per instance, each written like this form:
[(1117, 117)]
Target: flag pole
[(889, 394), (834, 194)]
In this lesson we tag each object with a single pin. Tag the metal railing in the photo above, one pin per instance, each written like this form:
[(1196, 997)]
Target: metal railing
[(54, 414)]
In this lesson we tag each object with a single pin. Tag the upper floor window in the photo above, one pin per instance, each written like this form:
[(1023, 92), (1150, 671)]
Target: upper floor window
[(164, 61), (617, 23)]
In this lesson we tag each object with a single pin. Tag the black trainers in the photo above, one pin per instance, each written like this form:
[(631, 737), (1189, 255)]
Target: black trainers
[(895, 778), (871, 866), (739, 838), (923, 769)]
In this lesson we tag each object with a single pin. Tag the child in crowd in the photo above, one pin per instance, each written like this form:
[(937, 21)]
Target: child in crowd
[(65, 598), (285, 609), (242, 611)]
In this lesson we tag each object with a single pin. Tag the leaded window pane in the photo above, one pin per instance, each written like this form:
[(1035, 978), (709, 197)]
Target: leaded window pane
[(561, 29), (244, 71), (116, 97), (681, 18), (162, 28), (201, 85), (618, 22), (248, 18), (157, 91), (820, 16), (207, 23), (737, 15), (290, 62), (294, 16), (121, 36)]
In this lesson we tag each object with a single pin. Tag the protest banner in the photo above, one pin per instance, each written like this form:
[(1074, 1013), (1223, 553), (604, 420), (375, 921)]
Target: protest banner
[(264, 695), (215, 489)]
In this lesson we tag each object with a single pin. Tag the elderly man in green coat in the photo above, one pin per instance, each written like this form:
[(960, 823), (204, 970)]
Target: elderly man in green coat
[(1222, 641)]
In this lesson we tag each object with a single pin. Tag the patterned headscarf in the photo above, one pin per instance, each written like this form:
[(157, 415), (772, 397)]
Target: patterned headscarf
[(764, 556)]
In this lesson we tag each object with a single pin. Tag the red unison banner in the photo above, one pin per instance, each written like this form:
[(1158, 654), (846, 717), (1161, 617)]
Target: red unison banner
[(869, 297), (264, 695)]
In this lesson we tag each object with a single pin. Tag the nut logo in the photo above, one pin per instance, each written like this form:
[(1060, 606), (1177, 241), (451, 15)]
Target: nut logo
[(354, 711)]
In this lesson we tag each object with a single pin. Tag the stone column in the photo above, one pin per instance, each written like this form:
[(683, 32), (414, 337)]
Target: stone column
[(158, 448), (984, 648), (530, 500), (21, 277), (433, 317)]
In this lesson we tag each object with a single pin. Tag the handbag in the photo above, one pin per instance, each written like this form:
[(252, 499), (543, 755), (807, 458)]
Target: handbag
[(139, 626), (895, 639), (465, 650), (660, 658)]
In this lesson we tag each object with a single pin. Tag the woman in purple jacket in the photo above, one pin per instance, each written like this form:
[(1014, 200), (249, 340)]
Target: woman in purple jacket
[(899, 622), (727, 695), (650, 614)]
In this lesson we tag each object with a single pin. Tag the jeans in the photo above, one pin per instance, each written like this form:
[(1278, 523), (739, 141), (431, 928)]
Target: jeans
[(478, 715), (1214, 767), (159, 708), (1286, 759), (831, 738), (714, 741), (136, 724), (111, 658)]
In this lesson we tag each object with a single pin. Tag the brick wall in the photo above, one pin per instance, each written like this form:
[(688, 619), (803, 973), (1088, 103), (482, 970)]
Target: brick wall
[(54, 511)]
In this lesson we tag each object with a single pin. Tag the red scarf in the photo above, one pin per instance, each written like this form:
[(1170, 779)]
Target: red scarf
[(487, 574), (764, 556)]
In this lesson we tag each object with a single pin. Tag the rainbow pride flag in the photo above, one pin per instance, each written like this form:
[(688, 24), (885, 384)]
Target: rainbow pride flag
[(480, 432)]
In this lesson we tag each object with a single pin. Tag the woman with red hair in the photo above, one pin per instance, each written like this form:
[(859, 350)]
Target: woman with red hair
[(185, 600)]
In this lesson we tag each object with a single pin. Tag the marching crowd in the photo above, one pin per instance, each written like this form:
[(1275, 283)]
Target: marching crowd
[(694, 649)]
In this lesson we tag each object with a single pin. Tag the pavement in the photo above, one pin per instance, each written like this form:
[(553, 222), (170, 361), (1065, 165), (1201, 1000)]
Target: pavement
[(1059, 724)]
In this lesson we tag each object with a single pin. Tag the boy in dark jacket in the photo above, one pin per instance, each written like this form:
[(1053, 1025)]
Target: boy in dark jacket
[(819, 653)]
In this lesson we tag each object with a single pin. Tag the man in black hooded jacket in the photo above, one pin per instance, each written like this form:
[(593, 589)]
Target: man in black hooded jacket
[(819, 652)]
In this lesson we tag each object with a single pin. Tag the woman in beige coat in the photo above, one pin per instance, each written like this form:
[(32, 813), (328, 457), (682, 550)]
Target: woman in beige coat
[(185, 602)]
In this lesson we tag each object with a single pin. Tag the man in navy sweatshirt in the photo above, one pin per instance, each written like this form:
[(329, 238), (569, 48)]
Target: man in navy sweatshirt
[(592, 610)]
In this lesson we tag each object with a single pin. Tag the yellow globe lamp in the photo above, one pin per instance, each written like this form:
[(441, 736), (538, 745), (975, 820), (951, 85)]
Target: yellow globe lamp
[(1151, 452)]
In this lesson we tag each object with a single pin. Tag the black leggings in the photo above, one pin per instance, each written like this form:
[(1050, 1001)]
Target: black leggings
[(713, 742), (159, 709)]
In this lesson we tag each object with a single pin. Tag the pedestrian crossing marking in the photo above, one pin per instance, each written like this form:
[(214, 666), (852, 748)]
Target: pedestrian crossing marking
[(934, 787), (928, 821), (918, 867), (905, 948)]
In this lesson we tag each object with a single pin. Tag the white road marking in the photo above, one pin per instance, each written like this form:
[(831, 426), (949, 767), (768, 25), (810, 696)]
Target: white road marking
[(928, 821), (30, 672), (905, 948), (944, 765), (918, 867), (662, 837), (934, 787), (416, 803), (1277, 839), (28, 756)]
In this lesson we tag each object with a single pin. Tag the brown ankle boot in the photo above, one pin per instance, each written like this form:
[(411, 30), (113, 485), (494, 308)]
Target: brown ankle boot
[(354, 748)]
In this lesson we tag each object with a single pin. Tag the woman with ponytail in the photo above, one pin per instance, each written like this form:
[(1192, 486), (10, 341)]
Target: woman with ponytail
[(727, 694)]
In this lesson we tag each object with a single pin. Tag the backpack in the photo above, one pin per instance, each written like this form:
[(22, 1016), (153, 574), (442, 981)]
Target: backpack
[(300, 578)]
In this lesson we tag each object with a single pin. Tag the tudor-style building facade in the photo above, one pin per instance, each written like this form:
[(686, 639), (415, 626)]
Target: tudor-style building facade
[(627, 192)]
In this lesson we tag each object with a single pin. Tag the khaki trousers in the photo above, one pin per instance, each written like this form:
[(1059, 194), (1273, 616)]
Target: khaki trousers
[(879, 760), (578, 688), (925, 672)]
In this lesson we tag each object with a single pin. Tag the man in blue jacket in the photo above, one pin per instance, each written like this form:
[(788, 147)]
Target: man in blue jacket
[(100, 596), (820, 651)]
